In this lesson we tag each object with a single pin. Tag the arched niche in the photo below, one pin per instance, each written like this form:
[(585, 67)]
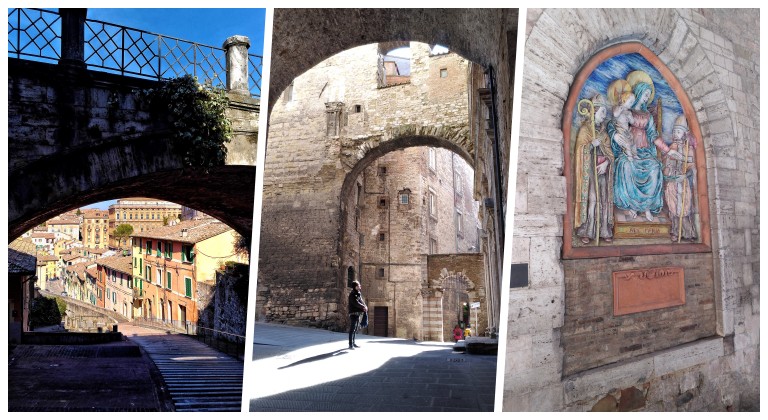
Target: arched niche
[(650, 230)]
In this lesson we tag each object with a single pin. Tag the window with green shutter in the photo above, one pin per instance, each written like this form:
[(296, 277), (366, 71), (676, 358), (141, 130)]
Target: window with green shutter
[(187, 253), (169, 250), (168, 280), (149, 247), (187, 287), (149, 274), (159, 248), (141, 264)]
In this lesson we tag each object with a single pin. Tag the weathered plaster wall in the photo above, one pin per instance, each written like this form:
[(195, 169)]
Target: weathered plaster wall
[(715, 56)]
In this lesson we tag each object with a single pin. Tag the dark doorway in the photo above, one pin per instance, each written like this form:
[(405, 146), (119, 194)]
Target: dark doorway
[(380, 321)]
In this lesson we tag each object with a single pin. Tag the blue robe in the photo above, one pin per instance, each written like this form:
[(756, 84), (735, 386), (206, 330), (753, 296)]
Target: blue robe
[(638, 183)]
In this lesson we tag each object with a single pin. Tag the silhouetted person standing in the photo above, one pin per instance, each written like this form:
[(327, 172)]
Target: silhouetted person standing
[(356, 308)]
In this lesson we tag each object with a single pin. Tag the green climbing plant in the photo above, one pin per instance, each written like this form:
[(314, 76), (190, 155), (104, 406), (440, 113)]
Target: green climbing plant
[(197, 112)]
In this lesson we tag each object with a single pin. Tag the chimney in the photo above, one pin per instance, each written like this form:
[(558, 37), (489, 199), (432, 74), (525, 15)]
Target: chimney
[(184, 232)]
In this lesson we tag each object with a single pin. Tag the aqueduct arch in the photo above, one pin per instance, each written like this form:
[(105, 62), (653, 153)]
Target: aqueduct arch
[(76, 134), (230, 184)]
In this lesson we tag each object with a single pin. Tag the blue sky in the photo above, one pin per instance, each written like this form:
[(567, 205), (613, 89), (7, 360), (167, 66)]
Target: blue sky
[(204, 26)]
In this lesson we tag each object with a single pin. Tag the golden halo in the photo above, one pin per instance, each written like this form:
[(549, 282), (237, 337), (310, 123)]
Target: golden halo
[(616, 88), (638, 76)]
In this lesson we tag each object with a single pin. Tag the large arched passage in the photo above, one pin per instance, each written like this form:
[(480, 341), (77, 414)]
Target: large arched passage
[(407, 208)]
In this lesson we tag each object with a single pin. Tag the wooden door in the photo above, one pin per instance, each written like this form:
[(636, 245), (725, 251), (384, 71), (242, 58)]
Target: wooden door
[(380, 321)]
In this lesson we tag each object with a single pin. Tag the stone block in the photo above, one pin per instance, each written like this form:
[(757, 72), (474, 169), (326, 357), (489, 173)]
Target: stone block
[(687, 356), (545, 269), (532, 225)]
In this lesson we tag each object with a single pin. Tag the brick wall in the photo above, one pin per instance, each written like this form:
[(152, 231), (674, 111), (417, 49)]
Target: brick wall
[(592, 336)]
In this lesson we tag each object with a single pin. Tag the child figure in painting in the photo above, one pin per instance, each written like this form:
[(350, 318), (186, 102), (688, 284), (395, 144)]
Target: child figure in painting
[(623, 118)]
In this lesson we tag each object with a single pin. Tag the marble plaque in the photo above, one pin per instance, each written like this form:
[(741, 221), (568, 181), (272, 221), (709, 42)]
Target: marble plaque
[(647, 289)]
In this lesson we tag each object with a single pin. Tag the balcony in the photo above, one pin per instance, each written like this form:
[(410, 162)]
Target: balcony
[(138, 294)]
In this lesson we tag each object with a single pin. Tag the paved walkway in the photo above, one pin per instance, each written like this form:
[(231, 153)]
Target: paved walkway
[(302, 369), (197, 377)]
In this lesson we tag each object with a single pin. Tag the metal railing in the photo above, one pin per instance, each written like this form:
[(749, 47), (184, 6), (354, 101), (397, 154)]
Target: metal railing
[(36, 34)]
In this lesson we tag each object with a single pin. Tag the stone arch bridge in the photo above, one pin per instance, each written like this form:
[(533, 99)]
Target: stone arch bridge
[(79, 136)]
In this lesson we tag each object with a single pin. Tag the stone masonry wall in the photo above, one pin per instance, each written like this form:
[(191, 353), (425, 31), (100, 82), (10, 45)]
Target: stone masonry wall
[(302, 266), (715, 56)]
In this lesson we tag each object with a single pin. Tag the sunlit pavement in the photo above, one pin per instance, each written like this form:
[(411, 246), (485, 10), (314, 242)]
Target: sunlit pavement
[(197, 377), (302, 369)]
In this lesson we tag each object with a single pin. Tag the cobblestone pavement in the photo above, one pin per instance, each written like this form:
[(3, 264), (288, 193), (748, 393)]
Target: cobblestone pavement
[(301, 369), (98, 377)]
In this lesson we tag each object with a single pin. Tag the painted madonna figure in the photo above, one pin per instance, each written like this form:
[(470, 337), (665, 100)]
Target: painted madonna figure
[(638, 180), (594, 159)]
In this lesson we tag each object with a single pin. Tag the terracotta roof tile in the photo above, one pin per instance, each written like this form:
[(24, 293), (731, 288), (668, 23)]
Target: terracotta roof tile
[(21, 257), (119, 263), (197, 231)]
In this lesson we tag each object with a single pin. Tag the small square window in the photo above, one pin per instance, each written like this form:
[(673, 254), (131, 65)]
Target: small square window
[(382, 236), (382, 170), (358, 108), (380, 272), (382, 202), (443, 73), (405, 198)]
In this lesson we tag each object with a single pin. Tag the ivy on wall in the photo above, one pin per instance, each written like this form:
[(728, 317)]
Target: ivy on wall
[(197, 112)]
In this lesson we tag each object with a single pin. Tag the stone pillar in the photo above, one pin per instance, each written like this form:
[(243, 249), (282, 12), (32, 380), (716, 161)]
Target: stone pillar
[(73, 36), (236, 48)]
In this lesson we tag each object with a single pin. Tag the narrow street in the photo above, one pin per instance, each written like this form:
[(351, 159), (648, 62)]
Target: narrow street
[(304, 369), (198, 377)]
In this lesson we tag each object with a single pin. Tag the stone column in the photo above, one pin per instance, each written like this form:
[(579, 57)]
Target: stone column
[(73, 36), (236, 48)]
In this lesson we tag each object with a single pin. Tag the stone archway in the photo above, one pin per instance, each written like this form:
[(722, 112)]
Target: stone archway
[(389, 238), (231, 184)]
